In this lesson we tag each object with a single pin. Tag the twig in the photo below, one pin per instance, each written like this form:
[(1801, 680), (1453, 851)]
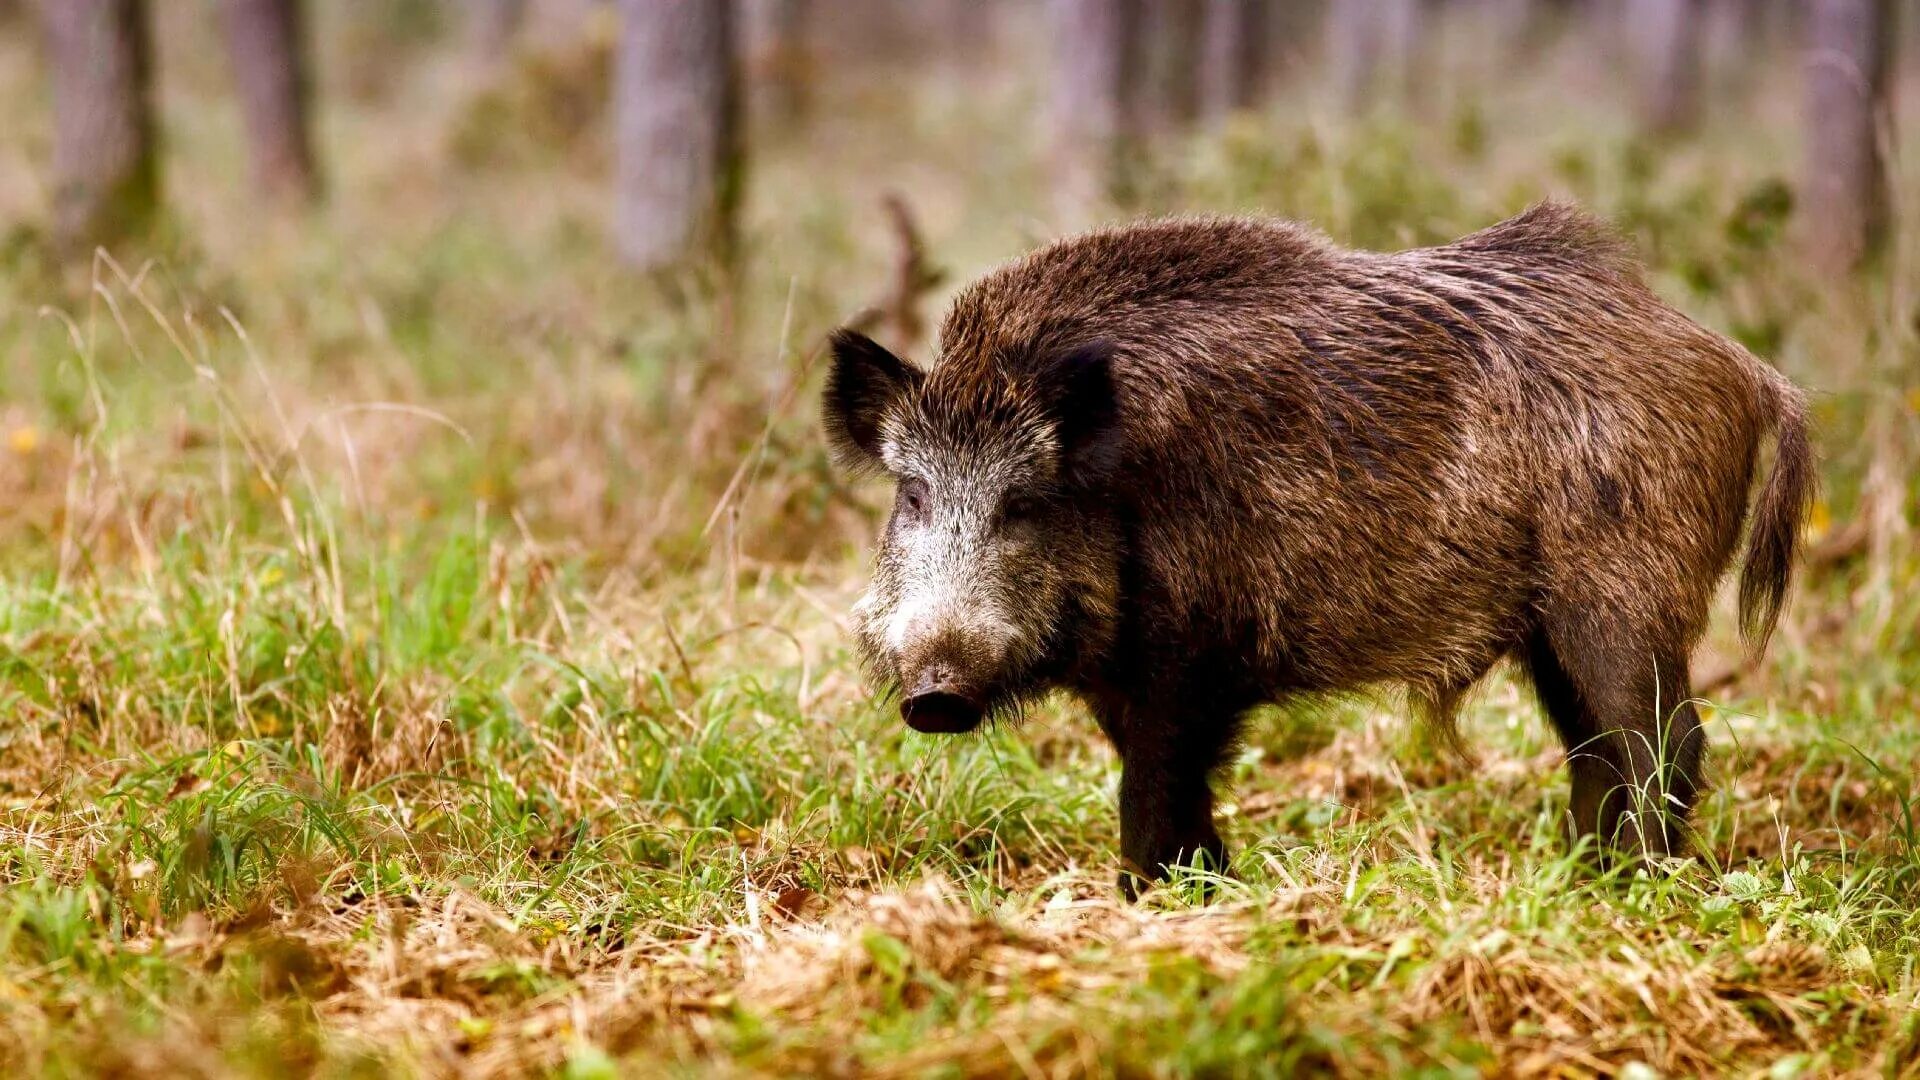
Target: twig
[(1841, 545), (913, 278)]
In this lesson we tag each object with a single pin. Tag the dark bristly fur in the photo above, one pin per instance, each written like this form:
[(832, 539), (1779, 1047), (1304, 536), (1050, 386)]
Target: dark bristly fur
[(1186, 467)]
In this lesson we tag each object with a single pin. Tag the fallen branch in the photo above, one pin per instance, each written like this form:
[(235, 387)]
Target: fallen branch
[(913, 279), (1840, 545)]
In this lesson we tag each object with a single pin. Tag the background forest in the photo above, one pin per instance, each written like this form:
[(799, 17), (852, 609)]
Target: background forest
[(422, 581)]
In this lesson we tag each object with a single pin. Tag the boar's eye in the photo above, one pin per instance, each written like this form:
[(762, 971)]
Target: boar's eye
[(913, 499), (1020, 508)]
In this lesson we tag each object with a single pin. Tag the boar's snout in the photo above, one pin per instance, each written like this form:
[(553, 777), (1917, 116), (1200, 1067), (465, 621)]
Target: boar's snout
[(938, 703)]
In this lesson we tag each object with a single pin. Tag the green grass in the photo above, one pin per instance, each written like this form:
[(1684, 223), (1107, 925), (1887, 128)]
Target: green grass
[(449, 677)]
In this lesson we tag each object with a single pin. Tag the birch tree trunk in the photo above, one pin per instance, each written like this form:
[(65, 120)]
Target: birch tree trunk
[(972, 27), (789, 60), (677, 160), (1174, 33), (1505, 25), (267, 44), (496, 23), (1095, 100), (1373, 45), (1666, 39), (106, 166), (1234, 56), (1843, 193)]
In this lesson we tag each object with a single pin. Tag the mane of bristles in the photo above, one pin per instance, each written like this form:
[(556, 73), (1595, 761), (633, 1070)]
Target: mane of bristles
[(1558, 232)]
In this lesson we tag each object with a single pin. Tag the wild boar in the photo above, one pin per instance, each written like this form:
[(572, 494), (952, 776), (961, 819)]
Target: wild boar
[(1186, 467)]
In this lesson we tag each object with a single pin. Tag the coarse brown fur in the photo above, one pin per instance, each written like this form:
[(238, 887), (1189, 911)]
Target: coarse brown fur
[(1283, 468)]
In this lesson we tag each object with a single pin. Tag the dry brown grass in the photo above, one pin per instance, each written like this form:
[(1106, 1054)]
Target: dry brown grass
[(438, 985)]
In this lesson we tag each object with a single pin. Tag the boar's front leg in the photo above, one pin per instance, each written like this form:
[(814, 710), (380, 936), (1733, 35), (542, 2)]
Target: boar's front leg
[(1166, 802)]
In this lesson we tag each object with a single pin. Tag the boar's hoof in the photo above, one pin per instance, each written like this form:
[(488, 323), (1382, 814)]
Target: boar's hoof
[(941, 712), (1207, 855)]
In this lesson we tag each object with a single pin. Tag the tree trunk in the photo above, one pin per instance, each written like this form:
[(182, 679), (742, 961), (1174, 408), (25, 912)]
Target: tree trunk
[(1665, 36), (1505, 26), (1844, 192), (106, 165), (677, 160), (270, 74), (1374, 44), (496, 23), (972, 27), (1296, 35), (789, 60), (1174, 32), (1741, 43), (1233, 65), (1095, 107)]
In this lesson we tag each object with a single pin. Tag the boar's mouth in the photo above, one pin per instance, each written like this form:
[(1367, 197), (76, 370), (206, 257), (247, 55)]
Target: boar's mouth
[(942, 712)]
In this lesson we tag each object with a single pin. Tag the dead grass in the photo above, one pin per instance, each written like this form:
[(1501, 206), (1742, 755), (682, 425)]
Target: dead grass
[(459, 987)]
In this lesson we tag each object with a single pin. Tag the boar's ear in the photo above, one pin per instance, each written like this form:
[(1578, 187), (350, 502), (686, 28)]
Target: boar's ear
[(1083, 401), (864, 382)]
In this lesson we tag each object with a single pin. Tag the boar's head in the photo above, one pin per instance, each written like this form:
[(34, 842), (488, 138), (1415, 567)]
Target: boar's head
[(998, 568)]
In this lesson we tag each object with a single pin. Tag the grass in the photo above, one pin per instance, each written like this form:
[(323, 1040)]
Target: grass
[(421, 649)]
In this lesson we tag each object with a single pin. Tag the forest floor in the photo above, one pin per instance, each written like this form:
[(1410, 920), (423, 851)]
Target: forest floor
[(422, 651)]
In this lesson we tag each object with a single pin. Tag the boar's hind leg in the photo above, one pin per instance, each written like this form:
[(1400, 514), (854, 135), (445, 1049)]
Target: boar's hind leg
[(1166, 803), (1622, 705)]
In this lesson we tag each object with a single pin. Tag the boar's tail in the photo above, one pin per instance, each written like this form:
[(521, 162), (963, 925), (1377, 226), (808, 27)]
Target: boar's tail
[(1776, 518)]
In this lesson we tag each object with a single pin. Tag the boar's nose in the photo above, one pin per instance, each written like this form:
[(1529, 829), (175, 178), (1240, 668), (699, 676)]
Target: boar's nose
[(938, 704)]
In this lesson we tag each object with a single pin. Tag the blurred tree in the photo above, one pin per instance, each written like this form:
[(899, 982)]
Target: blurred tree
[(1296, 33), (1373, 45), (1665, 37), (1234, 55), (495, 25), (789, 60), (1844, 190), (1095, 107), (1506, 25), (377, 45), (1174, 33), (677, 150), (267, 42), (106, 164), (971, 27)]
